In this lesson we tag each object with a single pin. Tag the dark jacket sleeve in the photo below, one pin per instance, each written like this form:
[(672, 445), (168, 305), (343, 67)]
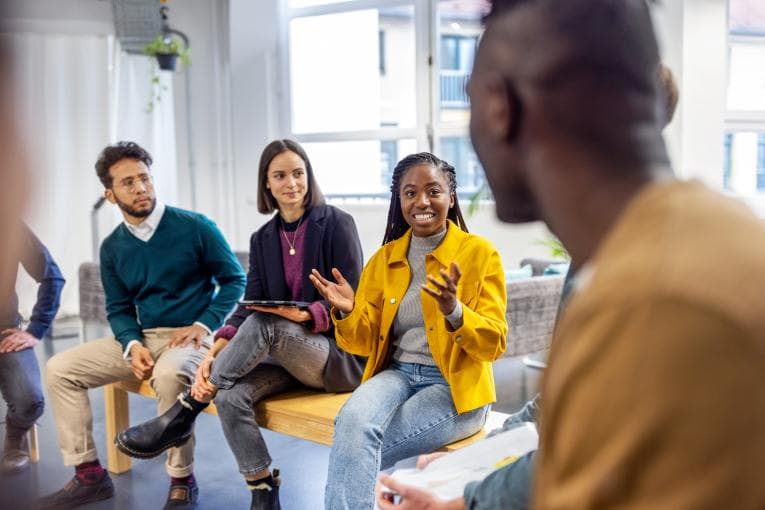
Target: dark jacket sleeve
[(346, 254), (343, 371), (39, 263)]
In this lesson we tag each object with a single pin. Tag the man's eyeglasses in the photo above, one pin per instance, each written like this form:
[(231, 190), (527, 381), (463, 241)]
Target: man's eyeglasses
[(130, 184)]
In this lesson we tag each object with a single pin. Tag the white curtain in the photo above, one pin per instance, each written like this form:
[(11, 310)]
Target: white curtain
[(76, 94)]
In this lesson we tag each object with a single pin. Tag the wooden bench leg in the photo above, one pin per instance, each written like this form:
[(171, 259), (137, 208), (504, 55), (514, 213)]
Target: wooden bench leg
[(117, 414), (34, 451)]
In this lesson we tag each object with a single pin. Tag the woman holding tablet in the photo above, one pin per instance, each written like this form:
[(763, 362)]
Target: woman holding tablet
[(429, 313), (262, 350)]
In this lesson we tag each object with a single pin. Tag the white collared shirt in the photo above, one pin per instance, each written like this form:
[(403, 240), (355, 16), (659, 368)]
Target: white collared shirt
[(145, 230)]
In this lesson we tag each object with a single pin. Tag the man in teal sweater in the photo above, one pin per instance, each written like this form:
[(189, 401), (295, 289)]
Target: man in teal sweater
[(170, 279)]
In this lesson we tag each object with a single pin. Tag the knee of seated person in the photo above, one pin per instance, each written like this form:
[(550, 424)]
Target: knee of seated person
[(168, 381), (232, 398), (31, 410), (353, 417)]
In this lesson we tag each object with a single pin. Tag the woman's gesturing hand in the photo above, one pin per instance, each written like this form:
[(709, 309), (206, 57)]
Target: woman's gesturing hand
[(340, 294), (446, 291)]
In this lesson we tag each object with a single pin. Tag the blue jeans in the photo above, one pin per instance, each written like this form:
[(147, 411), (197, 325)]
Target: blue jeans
[(21, 388), (403, 411), (267, 355)]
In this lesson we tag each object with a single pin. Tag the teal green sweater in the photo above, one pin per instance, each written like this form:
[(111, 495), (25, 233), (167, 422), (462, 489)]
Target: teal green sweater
[(169, 281)]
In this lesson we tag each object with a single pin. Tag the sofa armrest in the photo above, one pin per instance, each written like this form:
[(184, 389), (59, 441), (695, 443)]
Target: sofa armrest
[(532, 308)]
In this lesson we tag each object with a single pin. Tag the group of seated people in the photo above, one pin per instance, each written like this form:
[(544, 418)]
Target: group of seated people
[(413, 334), (652, 397), (419, 326)]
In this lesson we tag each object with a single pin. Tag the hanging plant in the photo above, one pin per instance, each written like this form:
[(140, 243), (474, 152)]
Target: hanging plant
[(168, 50)]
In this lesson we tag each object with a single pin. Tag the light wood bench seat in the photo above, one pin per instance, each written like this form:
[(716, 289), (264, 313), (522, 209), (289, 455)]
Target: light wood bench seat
[(304, 414)]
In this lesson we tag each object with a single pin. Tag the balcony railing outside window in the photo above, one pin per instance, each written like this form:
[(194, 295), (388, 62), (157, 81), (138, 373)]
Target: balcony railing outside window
[(454, 88)]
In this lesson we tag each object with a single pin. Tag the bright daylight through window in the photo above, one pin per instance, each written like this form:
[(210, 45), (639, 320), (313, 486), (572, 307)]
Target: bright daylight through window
[(371, 81), (744, 157)]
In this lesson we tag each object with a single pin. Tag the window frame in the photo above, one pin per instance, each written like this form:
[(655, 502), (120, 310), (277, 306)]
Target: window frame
[(738, 121), (428, 129)]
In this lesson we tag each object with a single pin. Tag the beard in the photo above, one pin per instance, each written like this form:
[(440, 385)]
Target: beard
[(132, 211)]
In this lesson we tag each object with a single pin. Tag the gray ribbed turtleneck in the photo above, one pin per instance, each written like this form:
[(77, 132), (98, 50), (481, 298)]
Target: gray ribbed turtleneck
[(409, 325)]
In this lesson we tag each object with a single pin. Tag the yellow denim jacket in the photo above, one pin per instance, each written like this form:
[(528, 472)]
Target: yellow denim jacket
[(465, 355)]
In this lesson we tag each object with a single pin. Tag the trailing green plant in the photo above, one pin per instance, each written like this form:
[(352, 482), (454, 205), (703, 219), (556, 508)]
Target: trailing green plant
[(157, 88), (482, 193), (557, 250), (168, 45), (162, 46)]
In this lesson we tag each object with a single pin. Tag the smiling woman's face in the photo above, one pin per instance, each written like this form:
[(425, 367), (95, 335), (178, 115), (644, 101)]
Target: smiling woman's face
[(425, 199), (287, 180)]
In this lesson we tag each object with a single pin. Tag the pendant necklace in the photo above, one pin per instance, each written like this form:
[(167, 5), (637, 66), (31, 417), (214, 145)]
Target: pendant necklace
[(294, 237)]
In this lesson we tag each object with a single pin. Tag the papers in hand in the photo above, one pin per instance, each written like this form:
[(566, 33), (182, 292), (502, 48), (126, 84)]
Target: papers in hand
[(447, 476)]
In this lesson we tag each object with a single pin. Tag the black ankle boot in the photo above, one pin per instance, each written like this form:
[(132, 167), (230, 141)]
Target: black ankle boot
[(265, 494), (15, 457), (173, 428)]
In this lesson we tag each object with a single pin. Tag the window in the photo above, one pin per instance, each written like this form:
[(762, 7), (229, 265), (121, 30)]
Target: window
[(744, 141), (369, 82)]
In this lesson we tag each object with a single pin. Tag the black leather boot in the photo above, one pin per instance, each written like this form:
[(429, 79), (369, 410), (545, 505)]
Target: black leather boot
[(265, 494), (173, 428), (15, 454)]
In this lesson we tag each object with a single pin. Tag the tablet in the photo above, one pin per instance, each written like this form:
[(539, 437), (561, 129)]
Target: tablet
[(303, 305)]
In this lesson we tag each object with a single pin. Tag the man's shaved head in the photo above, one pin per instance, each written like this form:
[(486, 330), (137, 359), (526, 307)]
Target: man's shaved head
[(555, 79), (605, 39)]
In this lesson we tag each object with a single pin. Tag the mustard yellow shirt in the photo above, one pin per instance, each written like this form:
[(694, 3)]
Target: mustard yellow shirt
[(465, 355), (654, 396)]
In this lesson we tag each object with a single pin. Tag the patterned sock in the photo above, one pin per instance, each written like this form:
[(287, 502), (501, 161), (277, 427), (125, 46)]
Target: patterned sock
[(184, 480), (89, 473)]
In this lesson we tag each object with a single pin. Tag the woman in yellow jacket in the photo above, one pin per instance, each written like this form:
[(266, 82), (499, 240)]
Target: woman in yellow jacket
[(430, 315)]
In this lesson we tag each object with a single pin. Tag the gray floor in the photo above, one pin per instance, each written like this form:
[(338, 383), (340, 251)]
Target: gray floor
[(303, 464)]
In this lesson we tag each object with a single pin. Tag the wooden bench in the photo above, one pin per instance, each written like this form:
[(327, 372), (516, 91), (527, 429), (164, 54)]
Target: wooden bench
[(304, 414)]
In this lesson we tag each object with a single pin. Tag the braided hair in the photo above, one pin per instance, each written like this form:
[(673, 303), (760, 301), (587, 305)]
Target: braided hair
[(396, 225)]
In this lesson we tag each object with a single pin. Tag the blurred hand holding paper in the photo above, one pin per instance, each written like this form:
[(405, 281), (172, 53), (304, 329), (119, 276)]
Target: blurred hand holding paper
[(447, 476)]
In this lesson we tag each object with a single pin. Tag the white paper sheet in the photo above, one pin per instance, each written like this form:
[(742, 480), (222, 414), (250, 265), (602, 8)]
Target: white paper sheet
[(447, 476)]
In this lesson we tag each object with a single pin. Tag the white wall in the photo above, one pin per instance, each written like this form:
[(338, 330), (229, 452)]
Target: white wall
[(203, 112)]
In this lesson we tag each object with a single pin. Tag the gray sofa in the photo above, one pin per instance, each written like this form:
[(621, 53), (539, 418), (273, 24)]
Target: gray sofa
[(532, 305)]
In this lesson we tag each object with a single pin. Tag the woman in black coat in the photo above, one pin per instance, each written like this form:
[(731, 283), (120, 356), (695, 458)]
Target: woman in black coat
[(262, 350)]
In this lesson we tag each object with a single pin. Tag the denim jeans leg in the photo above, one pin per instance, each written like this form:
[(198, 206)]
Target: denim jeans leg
[(354, 460), (249, 347), (302, 353), (236, 408), (426, 422), (21, 388)]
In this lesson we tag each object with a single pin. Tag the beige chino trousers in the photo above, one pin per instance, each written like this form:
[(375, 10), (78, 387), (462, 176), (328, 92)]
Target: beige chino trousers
[(70, 374)]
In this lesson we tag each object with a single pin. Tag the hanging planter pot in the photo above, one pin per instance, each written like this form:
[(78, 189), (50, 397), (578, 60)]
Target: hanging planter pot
[(168, 50), (167, 61)]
